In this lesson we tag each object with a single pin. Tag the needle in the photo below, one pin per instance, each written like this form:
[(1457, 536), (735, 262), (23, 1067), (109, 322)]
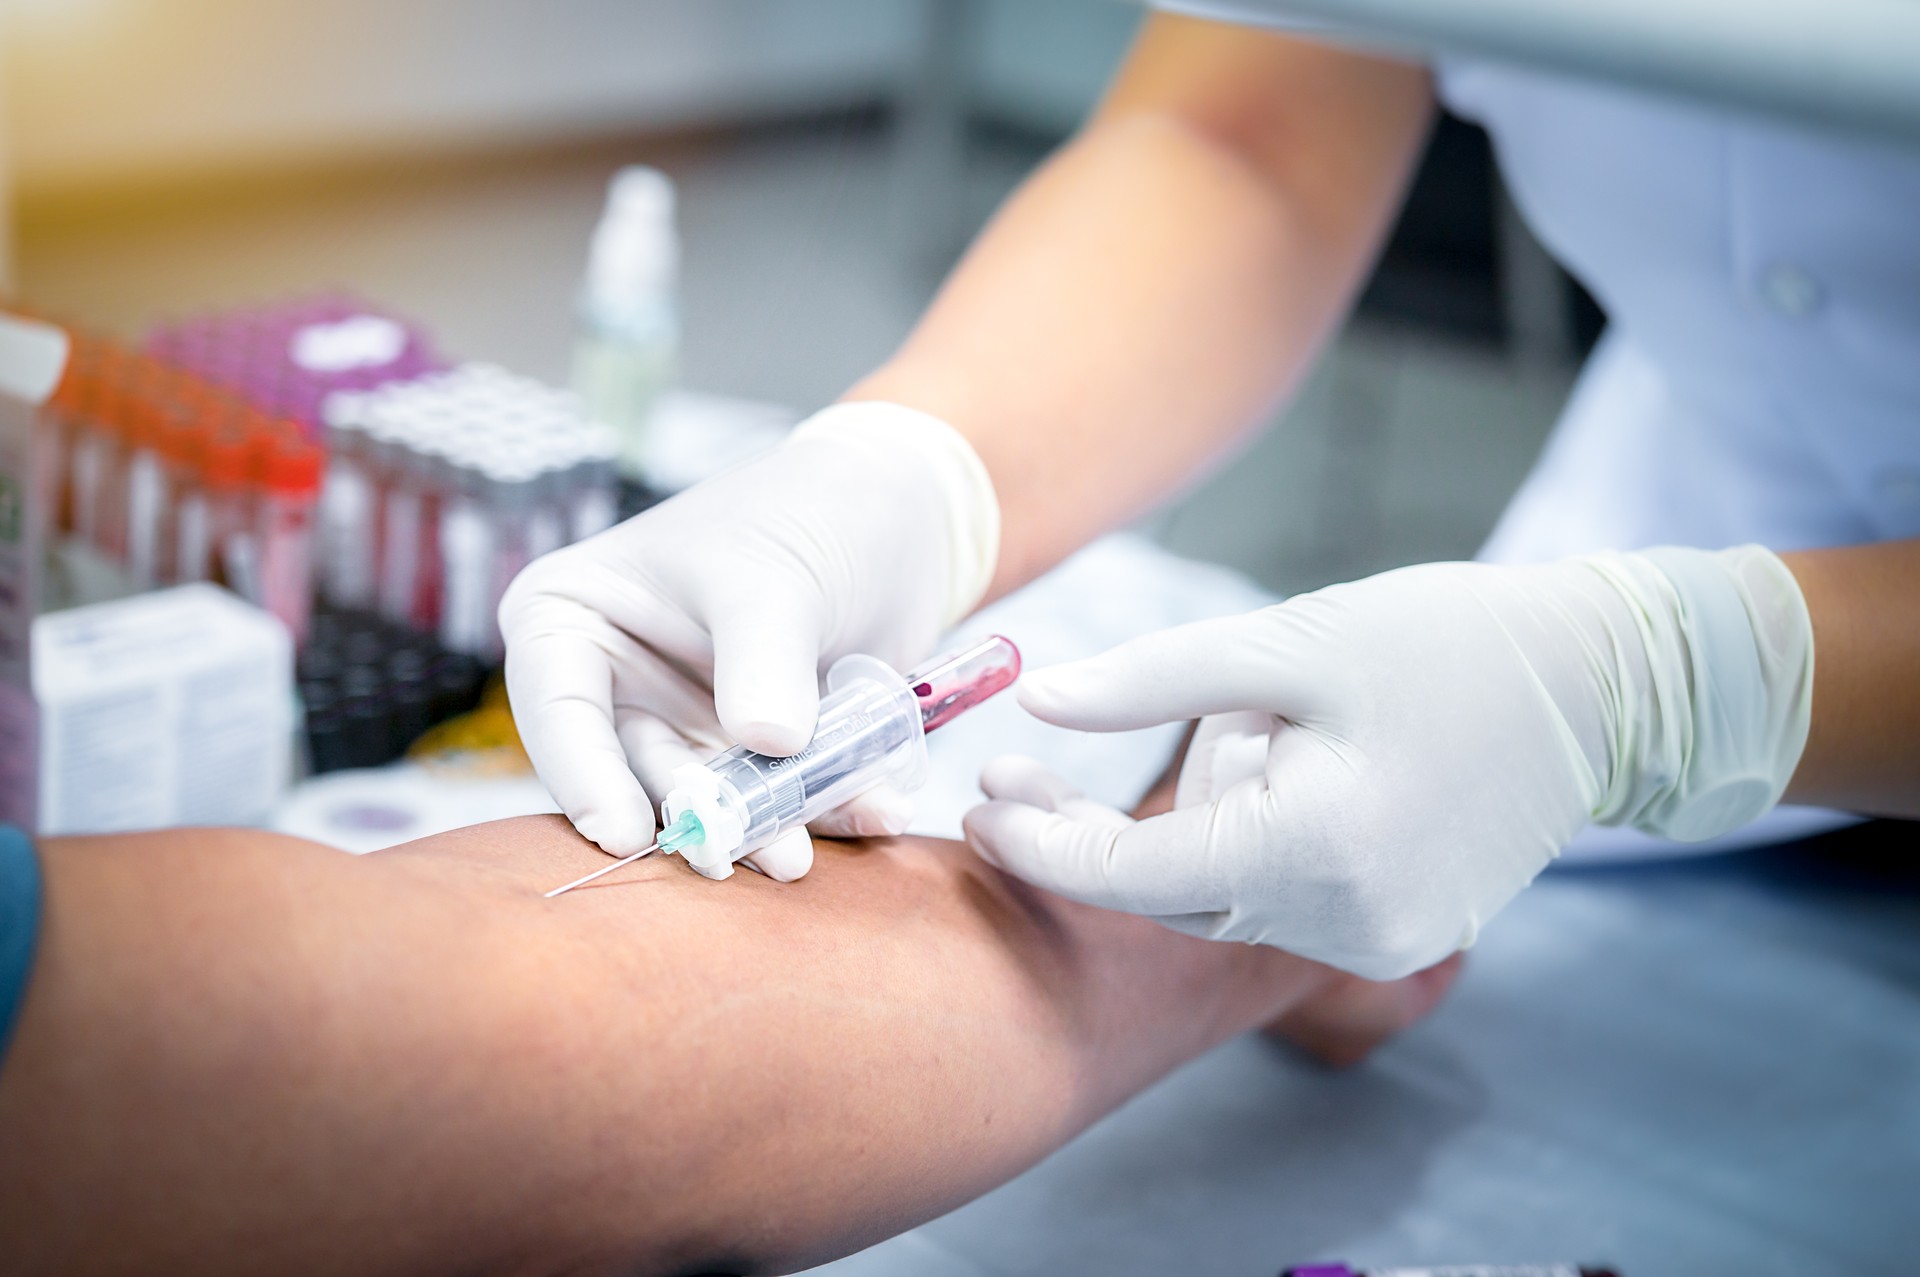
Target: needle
[(601, 873)]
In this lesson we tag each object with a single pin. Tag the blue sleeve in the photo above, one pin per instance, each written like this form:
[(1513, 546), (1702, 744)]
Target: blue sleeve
[(19, 924)]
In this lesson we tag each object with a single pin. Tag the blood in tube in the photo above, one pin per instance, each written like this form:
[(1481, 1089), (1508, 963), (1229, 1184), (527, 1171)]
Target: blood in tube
[(957, 683)]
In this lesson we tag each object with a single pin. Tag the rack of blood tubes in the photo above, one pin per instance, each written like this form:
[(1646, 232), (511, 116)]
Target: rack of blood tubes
[(163, 478), (444, 487), (204, 458)]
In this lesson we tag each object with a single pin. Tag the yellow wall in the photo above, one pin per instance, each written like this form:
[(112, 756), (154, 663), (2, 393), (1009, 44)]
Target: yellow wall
[(102, 90)]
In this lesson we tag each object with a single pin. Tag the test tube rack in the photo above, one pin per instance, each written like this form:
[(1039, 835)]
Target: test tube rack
[(163, 478), (444, 487), (320, 458)]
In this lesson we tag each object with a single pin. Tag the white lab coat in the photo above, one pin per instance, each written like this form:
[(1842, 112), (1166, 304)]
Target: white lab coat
[(1760, 377)]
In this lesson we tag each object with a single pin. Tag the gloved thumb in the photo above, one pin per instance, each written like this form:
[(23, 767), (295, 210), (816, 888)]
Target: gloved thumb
[(1190, 671), (766, 666)]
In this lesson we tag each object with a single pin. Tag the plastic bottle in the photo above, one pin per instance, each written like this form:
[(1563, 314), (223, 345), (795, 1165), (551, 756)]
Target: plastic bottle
[(628, 340)]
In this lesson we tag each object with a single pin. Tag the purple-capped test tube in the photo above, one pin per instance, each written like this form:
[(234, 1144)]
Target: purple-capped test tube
[(288, 357)]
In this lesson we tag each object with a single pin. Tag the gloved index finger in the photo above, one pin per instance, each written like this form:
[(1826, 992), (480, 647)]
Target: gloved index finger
[(560, 684), (1190, 671), (1013, 778)]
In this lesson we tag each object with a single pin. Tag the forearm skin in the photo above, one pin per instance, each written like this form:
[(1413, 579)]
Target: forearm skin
[(245, 1053), (1863, 747)]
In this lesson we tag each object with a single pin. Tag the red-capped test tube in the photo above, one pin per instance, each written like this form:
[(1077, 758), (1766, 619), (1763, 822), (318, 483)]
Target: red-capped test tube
[(290, 470), (954, 684)]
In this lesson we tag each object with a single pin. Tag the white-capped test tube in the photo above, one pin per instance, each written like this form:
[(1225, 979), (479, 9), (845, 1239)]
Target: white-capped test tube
[(546, 516), (146, 476), (468, 533), (593, 501), (404, 531), (436, 469), (90, 450), (515, 496), (349, 516), (396, 517)]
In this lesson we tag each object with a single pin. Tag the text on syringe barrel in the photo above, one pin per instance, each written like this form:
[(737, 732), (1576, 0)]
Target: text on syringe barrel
[(862, 728)]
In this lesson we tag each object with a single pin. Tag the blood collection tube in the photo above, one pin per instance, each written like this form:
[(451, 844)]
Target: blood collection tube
[(548, 496), (468, 533), (66, 409), (74, 401), (184, 424), (111, 399), (400, 529), (954, 684), (434, 464), (516, 489), (594, 505), (379, 453), (45, 479), (289, 490), (146, 491), (348, 529), (231, 558), (192, 558)]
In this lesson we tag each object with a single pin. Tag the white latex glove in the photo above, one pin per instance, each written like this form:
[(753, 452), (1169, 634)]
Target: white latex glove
[(1385, 764), (707, 620)]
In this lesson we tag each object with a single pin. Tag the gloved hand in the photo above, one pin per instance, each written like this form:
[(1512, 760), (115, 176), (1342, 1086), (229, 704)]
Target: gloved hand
[(1385, 764), (706, 620)]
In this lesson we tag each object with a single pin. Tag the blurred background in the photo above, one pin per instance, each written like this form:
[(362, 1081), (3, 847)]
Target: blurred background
[(449, 158)]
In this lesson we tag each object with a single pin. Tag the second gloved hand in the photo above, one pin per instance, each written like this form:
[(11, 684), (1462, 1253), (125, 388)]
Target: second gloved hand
[(1383, 765), (706, 620)]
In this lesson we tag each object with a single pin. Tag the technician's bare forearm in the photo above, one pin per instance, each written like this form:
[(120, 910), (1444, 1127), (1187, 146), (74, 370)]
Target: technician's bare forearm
[(1166, 280)]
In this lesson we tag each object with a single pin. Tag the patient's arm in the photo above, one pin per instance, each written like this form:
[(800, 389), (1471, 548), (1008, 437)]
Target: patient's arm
[(242, 1051)]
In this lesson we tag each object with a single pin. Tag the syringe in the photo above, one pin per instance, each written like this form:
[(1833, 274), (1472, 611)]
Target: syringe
[(872, 730)]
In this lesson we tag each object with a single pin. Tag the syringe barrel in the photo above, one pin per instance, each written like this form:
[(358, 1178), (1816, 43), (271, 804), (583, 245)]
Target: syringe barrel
[(869, 733)]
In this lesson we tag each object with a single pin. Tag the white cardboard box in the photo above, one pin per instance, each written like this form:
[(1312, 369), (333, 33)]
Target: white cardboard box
[(173, 708)]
